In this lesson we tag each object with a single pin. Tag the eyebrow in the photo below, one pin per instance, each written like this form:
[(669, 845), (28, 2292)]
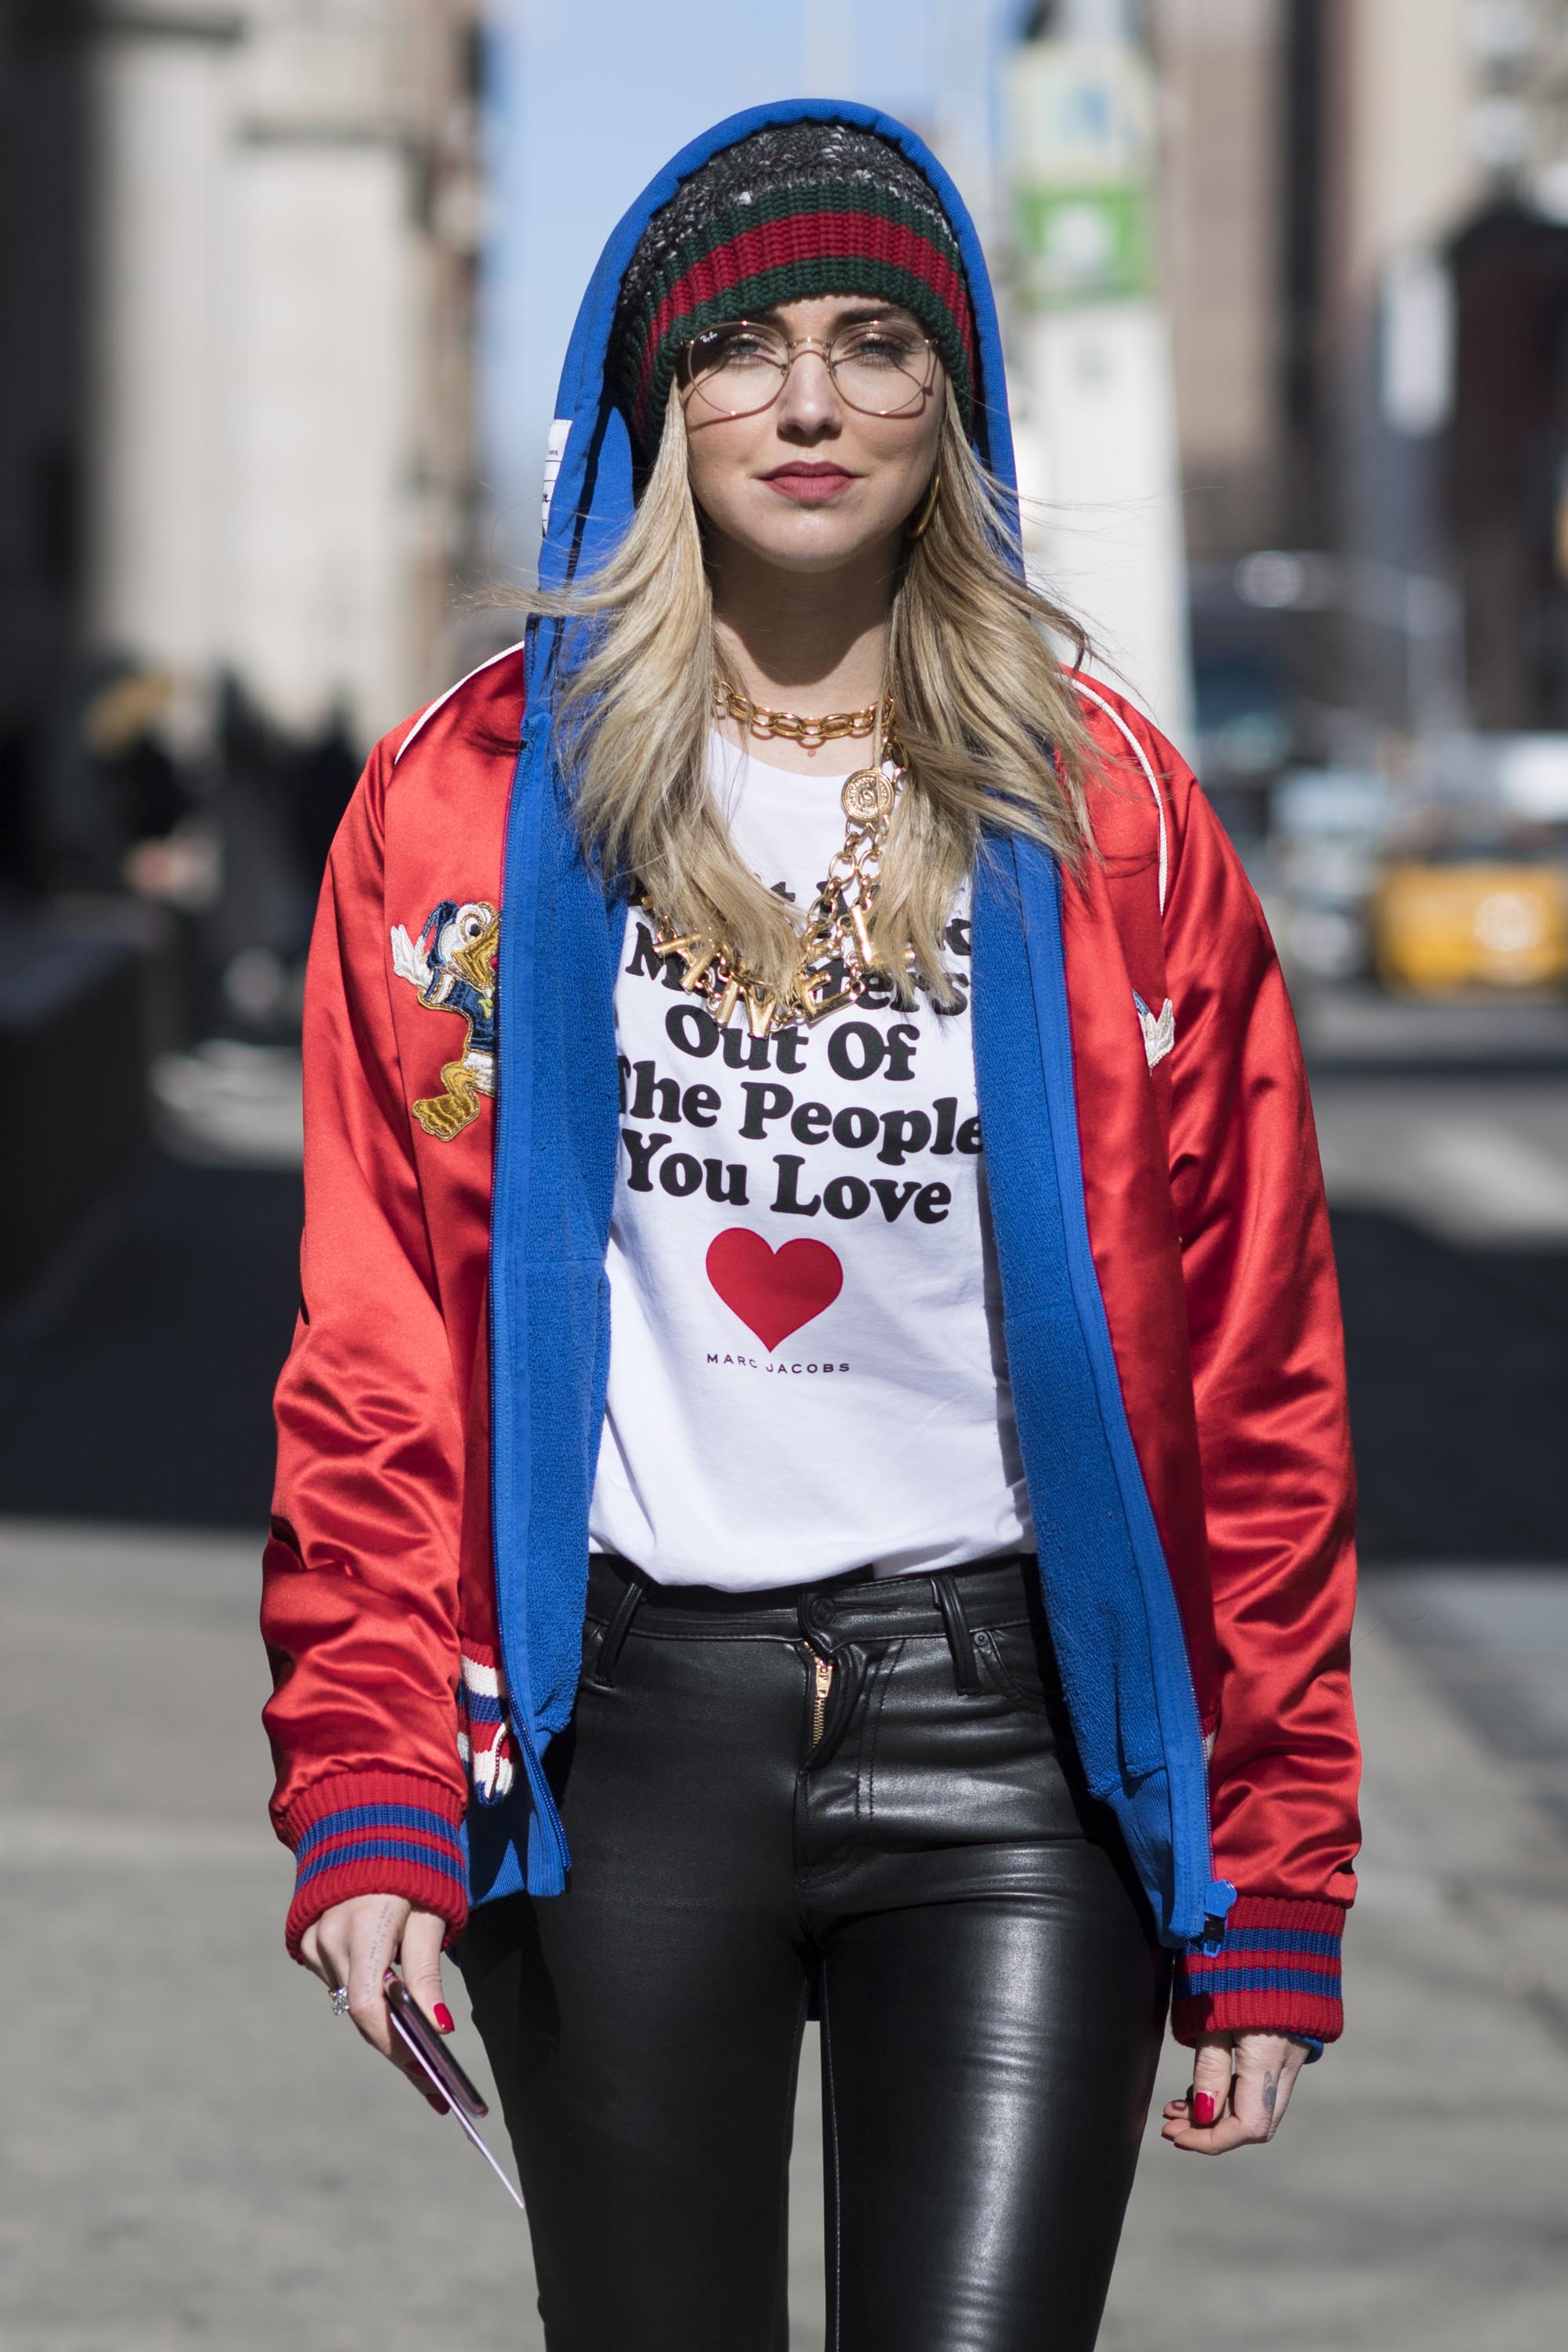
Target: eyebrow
[(853, 314)]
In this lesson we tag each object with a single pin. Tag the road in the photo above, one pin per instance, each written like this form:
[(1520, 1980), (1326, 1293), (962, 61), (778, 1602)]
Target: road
[(196, 2155)]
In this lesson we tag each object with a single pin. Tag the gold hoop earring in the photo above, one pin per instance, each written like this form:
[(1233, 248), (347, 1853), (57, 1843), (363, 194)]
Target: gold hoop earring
[(917, 529)]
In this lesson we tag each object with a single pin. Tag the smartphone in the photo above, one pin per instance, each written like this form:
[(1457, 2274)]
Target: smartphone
[(440, 2069)]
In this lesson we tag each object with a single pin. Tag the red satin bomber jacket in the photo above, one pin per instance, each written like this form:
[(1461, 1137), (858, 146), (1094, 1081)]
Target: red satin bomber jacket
[(1210, 1238)]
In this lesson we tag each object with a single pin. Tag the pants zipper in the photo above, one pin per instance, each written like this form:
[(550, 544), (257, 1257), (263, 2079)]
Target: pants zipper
[(822, 1686)]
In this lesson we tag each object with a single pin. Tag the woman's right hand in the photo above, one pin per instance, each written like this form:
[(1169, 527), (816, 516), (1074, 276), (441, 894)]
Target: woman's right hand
[(356, 1942)]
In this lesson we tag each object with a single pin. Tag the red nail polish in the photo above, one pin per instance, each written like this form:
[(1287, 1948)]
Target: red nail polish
[(1203, 2109), (444, 2018)]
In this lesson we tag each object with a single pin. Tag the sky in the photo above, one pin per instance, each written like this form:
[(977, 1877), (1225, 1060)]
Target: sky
[(587, 100)]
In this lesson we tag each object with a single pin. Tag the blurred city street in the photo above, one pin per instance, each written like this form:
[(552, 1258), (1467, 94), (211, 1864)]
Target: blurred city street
[(284, 288)]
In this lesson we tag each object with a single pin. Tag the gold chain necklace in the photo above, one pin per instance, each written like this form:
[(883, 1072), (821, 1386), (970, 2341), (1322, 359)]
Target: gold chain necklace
[(811, 734), (835, 958)]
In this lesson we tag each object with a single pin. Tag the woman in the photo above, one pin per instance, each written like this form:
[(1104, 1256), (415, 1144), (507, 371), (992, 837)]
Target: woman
[(863, 1446)]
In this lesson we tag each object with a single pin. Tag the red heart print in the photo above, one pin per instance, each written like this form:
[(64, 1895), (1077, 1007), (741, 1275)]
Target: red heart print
[(774, 1292)]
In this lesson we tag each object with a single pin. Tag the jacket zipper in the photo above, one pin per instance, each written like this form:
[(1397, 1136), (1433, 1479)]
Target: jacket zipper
[(822, 1684)]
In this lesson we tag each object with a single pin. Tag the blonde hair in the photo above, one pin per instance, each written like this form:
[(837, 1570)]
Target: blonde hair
[(986, 721)]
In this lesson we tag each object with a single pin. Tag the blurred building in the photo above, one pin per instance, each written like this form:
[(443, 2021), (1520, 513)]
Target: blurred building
[(238, 246), (235, 275), (1367, 250), (1224, 69), (282, 452)]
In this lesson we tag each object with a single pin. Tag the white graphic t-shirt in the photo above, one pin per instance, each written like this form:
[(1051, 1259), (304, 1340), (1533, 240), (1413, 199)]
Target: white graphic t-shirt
[(805, 1363)]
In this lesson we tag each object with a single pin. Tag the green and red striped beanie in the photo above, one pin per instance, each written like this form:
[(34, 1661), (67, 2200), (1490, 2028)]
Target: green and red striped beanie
[(796, 210)]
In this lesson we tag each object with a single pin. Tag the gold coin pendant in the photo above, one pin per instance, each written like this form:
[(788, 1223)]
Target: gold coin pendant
[(866, 796)]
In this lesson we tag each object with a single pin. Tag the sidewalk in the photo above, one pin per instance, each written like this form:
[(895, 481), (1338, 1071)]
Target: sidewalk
[(195, 2155), (1414, 2201)]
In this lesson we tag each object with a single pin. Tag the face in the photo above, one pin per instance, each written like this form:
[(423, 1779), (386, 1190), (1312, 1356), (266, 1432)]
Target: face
[(466, 928), (813, 482)]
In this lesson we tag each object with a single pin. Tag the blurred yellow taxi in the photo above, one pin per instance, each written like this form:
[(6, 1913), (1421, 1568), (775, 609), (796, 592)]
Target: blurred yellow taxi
[(1477, 924)]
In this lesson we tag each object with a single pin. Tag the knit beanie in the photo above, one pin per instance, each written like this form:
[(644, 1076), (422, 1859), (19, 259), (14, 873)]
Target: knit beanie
[(799, 209)]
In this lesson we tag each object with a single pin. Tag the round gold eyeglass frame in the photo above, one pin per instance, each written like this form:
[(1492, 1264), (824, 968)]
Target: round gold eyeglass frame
[(793, 346)]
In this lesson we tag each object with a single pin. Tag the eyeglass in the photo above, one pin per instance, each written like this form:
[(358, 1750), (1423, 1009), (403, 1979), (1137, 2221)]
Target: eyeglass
[(878, 366)]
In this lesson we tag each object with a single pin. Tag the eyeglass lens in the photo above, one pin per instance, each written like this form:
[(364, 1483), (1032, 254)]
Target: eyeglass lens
[(878, 366)]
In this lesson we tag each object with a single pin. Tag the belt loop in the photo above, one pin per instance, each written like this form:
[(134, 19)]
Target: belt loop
[(603, 1676), (966, 1668)]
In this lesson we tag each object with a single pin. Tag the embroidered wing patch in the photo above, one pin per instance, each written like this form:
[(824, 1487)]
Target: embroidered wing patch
[(452, 964), (1159, 1030)]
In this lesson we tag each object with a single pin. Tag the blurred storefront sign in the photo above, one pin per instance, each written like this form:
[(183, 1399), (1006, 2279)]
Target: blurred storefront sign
[(1081, 118), (1099, 463)]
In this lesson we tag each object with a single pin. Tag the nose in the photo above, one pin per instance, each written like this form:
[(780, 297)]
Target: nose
[(809, 408)]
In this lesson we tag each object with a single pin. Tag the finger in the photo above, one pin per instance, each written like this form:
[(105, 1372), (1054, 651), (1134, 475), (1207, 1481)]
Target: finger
[(1211, 2080), (1266, 2065), (1254, 2101), (1218, 2140), (374, 1930), (309, 1949), (333, 1940), (421, 1941), (419, 1956)]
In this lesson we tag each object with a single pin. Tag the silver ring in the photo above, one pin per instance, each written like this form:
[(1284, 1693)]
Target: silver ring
[(340, 2001)]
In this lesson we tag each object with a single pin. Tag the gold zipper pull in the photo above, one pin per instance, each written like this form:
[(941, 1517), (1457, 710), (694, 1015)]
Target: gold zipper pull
[(822, 1686)]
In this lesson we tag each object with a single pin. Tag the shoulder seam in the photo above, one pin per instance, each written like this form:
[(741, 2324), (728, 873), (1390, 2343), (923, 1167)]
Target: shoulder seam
[(1148, 767), (431, 708)]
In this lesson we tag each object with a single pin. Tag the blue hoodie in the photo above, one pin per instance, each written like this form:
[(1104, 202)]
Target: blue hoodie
[(1108, 1591)]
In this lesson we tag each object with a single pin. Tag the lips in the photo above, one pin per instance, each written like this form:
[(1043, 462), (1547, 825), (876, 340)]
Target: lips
[(809, 485)]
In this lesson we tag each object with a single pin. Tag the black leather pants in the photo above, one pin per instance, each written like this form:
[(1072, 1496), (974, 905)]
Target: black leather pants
[(864, 1793)]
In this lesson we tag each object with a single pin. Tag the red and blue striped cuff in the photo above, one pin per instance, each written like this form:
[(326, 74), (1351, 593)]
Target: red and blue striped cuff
[(1277, 1971), (376, 1833)]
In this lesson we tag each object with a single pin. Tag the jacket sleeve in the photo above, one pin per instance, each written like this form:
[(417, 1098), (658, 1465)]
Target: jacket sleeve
[(1274, 1440), (359, 1582)]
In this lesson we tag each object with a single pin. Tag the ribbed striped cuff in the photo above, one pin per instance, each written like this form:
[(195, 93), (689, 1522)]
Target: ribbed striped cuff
[(485, 1746), (376, 1833), (1277, 1971)]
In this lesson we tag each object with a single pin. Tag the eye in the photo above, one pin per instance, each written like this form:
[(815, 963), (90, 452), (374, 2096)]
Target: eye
[(738, 346), (880, 346)]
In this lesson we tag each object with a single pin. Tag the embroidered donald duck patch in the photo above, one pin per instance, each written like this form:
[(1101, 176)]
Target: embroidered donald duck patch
[(1158, 1029), (452, 963)]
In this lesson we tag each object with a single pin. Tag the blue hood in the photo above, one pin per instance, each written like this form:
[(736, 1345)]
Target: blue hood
[(591, 505), (1108, 1594), (549, 1236)]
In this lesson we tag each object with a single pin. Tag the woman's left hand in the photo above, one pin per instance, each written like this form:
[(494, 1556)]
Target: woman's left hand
[(1241, 2088)]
